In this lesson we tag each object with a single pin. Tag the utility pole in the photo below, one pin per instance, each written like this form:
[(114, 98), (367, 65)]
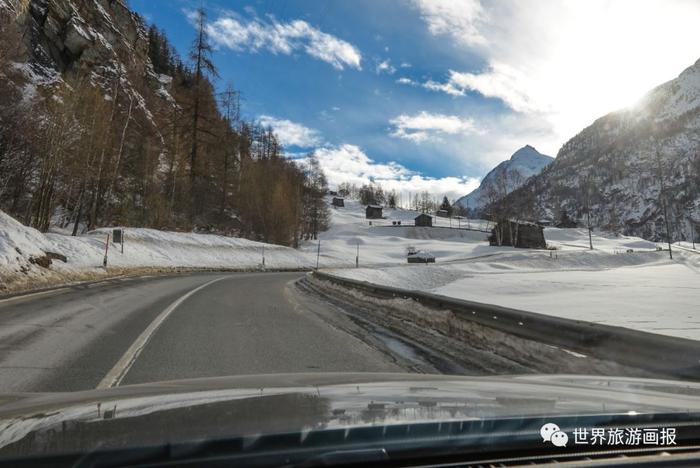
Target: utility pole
[(588, 212), (663, 203), (691, 211)]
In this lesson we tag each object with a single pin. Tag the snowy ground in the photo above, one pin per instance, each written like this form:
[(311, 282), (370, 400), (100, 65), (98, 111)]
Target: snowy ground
[(382, 243), (144, 250), (450, 240), (624, 281)]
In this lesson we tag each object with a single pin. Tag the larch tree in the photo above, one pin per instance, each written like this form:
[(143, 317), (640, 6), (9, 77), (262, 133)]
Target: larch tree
[(200, 56)]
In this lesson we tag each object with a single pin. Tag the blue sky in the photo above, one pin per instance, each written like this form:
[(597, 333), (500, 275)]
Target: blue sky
[(431, 94)]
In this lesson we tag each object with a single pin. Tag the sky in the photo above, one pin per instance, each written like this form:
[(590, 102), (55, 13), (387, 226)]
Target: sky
[(431, 94)]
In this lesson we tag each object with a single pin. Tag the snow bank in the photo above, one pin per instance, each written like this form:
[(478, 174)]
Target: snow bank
[(153, 248), (21, 247), (19, 244)]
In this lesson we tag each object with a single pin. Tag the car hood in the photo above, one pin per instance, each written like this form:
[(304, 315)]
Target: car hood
[(213, 408)]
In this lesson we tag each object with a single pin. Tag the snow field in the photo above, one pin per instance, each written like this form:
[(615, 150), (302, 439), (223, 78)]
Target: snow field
[(624, 281)]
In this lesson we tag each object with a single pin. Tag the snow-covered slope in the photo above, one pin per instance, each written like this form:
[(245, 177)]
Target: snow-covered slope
[(383, 243), (523, 164), (23, 261), (620, 160)]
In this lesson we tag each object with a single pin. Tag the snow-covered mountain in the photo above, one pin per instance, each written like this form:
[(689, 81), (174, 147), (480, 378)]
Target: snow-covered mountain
[(509, 174), (617, 166)]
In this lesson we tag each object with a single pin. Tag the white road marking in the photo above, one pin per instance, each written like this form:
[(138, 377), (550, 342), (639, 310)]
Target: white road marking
[(120, 369), (31, 295)]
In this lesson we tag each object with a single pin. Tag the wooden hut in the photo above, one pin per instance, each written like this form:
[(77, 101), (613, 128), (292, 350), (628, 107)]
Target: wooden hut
[(424, 220), (373, 212), (526, 235)]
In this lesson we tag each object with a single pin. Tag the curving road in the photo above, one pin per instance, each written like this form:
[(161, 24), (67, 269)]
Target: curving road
[(137, 330)]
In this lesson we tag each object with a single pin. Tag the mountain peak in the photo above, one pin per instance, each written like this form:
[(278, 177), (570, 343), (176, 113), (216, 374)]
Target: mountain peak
[(525, 151), (526, 162)]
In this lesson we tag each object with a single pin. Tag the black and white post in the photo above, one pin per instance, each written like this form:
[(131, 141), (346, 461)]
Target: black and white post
[(318, 252)]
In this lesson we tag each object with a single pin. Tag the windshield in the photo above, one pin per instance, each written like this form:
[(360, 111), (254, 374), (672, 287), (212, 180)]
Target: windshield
[(346, 202)]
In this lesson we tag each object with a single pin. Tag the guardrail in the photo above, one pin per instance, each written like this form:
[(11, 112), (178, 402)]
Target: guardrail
[(663, 355)]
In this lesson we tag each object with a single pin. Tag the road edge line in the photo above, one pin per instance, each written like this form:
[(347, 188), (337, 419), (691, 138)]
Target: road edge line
[(117, 373)]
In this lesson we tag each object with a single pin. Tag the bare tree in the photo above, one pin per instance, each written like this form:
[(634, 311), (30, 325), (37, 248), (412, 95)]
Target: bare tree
[(200, 55), (662, 196)]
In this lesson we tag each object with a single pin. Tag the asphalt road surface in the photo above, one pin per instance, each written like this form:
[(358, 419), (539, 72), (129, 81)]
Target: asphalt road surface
[(138, 330)]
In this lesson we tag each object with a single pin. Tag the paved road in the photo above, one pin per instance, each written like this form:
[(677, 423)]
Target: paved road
[(144, 330)]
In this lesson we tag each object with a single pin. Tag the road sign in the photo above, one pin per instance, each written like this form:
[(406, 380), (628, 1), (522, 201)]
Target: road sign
[(117, 236)]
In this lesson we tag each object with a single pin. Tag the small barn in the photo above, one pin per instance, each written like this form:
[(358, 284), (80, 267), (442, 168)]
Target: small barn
[(526, 235), (424, 220), (338, 201), (373, 212), (443, 213)]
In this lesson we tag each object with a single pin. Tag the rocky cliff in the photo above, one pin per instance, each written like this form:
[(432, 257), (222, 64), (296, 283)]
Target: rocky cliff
[(101, 41)]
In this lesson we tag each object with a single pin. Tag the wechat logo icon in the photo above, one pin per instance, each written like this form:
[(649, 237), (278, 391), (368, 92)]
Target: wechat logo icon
[(550, 432)]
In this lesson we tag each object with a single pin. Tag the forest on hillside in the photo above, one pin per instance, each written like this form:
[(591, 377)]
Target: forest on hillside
[(100, 148)]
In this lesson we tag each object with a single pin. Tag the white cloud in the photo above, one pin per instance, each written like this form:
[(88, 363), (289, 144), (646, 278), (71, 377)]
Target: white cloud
[(240, 34), (458, 18), (292, 133), (565, 62), (348, 163), (448, 88), (424, 126), (407, 81), (385, 67), (500, 81)]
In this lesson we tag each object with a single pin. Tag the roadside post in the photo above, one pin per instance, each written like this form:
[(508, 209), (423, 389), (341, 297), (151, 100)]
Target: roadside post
[(318, 252), (357, 256), (104, 260), (263, 256)]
